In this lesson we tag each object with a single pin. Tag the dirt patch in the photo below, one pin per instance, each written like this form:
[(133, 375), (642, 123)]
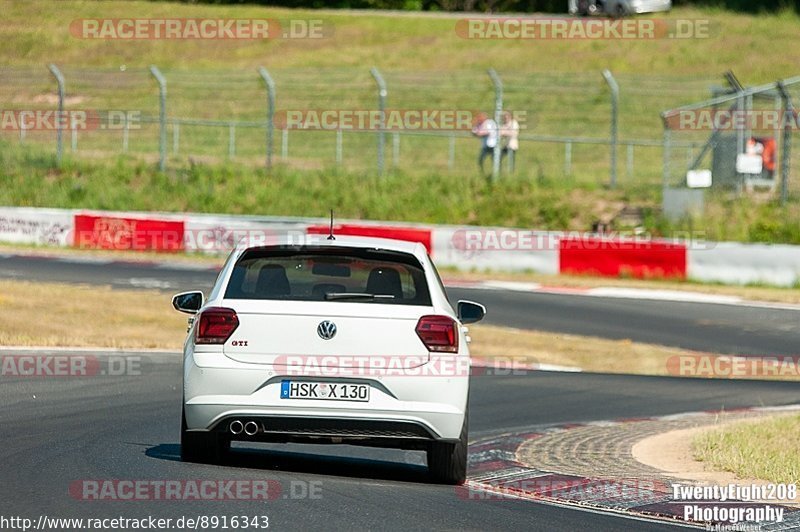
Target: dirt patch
[(47, 314), (585, 352), (671, 453)]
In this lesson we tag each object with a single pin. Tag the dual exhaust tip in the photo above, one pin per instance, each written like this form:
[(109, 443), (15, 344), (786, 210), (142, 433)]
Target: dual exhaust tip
[(250, 428)]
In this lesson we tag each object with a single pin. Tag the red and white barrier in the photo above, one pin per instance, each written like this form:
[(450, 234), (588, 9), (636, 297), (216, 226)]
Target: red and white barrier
[(381, 230), (118, 232), (464, 248), (736, 263), (495, 248), (23, 225), (622, 257)]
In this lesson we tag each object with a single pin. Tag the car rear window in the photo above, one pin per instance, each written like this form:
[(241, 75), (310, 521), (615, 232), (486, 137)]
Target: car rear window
[(346, 275)]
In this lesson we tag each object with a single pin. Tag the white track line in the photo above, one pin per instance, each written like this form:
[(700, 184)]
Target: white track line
[(612, 292)]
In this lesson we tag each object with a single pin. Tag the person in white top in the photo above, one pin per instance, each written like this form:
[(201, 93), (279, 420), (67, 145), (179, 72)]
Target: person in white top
[(509, 132), (485, 129)]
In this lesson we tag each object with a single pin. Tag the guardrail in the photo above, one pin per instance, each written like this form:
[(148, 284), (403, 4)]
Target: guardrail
[(466, 248)]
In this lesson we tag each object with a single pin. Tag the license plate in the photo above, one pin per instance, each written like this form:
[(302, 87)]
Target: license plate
[(329, 391)]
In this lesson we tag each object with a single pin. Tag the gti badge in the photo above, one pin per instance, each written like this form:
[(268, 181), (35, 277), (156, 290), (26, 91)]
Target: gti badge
[(326, 330)]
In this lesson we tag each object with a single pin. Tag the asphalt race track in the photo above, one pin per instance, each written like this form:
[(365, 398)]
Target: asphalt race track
[(59, 431), (713, 328)]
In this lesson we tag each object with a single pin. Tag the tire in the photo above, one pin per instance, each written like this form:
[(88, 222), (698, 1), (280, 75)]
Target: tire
[(447, 462), (202, 447)]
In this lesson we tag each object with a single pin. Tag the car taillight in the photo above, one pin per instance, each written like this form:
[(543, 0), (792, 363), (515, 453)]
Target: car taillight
[(438, 333), (216, 325)]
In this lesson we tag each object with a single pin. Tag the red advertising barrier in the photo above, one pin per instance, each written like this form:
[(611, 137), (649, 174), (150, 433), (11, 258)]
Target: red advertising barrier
[(617, 258), (409, 234), (137, 234)]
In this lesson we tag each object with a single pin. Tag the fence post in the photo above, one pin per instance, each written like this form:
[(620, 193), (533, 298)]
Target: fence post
[(614, 86), (788, 122), (59, 133), (498, 111), (741, 110), (382, 92), (162, 116), (270, 111), (667, 153)]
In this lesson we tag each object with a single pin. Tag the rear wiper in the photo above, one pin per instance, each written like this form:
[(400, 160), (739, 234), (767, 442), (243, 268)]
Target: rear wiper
[(331, 296)]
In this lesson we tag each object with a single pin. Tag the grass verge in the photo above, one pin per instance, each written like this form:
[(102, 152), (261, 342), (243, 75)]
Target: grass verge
[(765, 449), (386, 39), (588, 353), (44, 314), (595, 355), (31, 178)]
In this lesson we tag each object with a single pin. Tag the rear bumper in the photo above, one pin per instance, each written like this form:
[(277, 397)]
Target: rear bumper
[(400, 433), (402, 409)]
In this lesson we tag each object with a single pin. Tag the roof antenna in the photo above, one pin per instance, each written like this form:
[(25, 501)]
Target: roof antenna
[(330, 233)]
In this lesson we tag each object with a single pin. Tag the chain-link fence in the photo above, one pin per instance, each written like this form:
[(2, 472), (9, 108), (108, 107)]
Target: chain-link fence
[(743, 137), (594, 127)]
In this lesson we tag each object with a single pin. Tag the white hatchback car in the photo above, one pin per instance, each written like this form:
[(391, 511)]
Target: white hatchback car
[(350, 340)]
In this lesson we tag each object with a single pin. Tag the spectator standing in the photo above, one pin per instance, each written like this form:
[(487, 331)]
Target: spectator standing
[(509, 133), (485, 129)]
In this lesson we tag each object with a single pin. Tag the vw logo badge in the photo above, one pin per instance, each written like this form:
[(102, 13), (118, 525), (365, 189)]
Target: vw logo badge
[(326, 330)]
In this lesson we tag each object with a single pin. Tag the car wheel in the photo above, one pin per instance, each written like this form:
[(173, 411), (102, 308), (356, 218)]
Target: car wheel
[(202, 447), (620, 11), (447, 462), (583, 8)]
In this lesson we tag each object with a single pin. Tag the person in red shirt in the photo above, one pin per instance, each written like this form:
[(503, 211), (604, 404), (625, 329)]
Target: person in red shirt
[(768, 156)]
